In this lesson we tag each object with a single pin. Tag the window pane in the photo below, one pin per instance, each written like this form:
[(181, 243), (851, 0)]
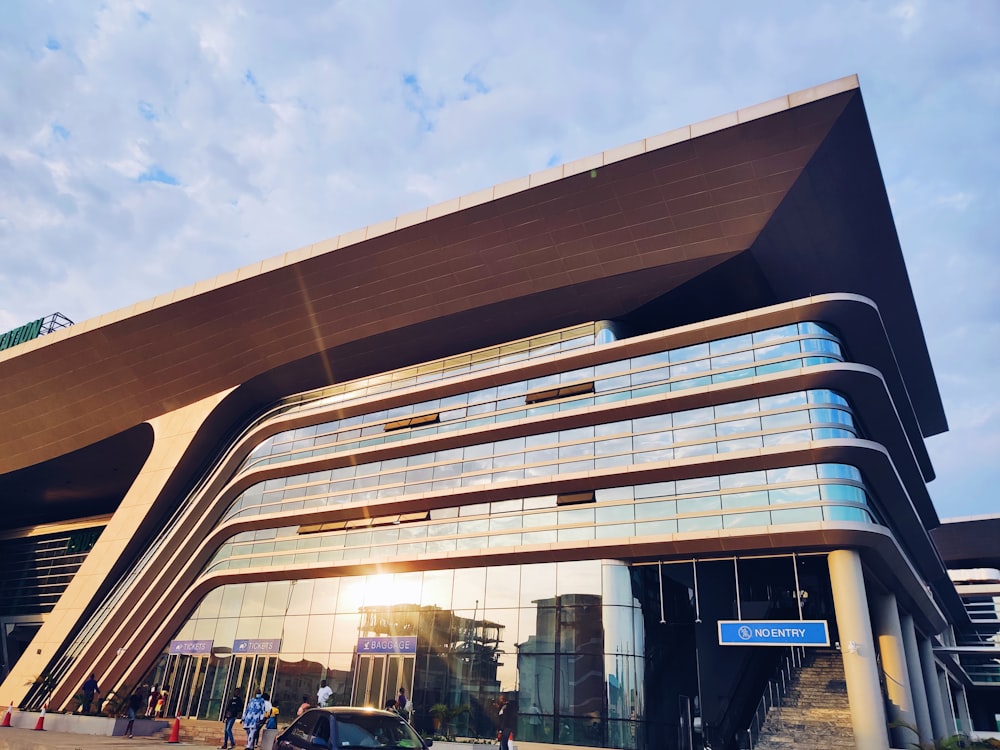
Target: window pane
[(663, 509), (539, 584), (796, 515), (742, 520), (699, 523)]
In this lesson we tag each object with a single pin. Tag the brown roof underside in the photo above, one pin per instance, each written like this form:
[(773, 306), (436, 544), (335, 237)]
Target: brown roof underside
[(627, 234)]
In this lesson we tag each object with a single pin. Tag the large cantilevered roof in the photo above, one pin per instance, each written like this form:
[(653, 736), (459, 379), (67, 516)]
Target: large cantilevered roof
[(764, 205)]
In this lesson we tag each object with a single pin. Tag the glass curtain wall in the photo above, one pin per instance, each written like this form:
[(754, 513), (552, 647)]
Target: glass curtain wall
[(591, 653)]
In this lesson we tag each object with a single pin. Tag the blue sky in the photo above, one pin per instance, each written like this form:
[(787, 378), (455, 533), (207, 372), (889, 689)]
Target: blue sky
[(148, 145)]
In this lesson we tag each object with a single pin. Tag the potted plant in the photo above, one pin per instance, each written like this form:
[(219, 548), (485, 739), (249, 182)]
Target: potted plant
[(439, 716), (444, 716), (116, 701)]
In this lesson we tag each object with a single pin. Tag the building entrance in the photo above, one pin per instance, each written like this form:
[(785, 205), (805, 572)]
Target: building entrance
[(247, 675), (379, 677), (183, 680)]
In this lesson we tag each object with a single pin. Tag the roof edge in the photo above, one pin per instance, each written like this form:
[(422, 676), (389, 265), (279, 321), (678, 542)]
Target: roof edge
[(455, 205)]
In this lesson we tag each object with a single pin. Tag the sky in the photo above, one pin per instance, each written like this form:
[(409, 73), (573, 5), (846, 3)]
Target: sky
[(145, 146)]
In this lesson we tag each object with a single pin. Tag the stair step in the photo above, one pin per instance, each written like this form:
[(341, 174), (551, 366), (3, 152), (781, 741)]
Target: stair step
[(814, 712)]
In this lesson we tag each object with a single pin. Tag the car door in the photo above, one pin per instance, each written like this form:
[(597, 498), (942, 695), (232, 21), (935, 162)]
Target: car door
[(311, 731)]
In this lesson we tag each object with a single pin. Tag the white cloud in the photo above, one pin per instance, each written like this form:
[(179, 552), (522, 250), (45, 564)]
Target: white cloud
[(960, 200), (909, 16)]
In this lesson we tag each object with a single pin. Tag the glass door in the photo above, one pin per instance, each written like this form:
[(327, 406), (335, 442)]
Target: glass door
[(379, 677), (248, 674), (188, 679), (399, 674), (369, 685)]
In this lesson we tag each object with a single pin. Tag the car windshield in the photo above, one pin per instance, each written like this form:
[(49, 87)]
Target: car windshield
[(375, 730)]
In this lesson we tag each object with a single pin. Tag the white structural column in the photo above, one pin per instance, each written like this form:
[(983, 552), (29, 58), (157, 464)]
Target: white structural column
[(916, 674), (897, 679), (858, 648), (935, 701)]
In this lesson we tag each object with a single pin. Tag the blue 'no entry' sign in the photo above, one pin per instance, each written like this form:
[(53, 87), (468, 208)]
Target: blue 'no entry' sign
[(773, 633)]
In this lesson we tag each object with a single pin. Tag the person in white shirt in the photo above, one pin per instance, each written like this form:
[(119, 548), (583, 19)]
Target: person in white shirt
[(323, 694)]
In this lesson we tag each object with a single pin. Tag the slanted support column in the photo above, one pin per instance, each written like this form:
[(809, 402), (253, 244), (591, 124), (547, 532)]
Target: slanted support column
[(949, 706), (935, 702), (858, 650), (913, 669), (963, 710), (897, 679)]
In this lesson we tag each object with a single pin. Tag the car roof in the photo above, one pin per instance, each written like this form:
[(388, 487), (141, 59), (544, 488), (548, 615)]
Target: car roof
[(356, 710)]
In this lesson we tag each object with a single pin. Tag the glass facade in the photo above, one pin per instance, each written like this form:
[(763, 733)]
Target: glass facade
[(570, 640), (37, 570), (735, 358), (756, 423), (592, 650), (798, 494)]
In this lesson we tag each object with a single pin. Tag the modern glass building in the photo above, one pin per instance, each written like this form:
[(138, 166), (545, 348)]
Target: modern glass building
[(552, 439)]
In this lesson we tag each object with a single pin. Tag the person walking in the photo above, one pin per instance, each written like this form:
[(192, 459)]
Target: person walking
[(90, 690), (267, 704), (134, 706), (231, 715), (508, 722), (252, 719)]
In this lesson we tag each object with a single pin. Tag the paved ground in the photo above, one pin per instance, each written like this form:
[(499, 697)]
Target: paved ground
[(13, 738)]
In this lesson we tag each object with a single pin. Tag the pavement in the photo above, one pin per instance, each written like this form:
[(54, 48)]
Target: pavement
[(15, 738)]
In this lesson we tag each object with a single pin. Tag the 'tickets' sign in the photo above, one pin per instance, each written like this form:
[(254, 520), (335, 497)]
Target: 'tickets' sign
[(257, 646), (190, 647)]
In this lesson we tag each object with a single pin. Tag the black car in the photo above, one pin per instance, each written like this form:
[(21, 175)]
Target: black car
[(346, 728)]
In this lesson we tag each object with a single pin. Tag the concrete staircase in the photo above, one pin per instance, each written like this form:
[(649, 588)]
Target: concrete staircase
[(208, 732), (204, 732), (814, 713)]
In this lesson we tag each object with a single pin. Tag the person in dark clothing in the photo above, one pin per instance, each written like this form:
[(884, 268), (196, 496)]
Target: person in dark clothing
[(135, 702), (507, 718), (90, 689), (404, 707), (233, 711)]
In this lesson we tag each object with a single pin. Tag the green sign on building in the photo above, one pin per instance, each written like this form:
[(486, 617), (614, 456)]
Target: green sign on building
[(19, 335)]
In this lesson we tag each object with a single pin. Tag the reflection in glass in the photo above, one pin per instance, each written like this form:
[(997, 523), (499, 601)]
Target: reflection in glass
[(594, 653)]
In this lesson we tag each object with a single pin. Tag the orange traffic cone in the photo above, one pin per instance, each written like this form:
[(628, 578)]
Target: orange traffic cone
[(175, 733), (6, 716), (40, 724)]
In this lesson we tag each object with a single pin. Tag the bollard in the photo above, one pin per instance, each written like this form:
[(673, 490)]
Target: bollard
[(40, 724), (175, 733)]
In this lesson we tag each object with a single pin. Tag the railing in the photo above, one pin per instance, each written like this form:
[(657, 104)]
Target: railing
[(777, 688)]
